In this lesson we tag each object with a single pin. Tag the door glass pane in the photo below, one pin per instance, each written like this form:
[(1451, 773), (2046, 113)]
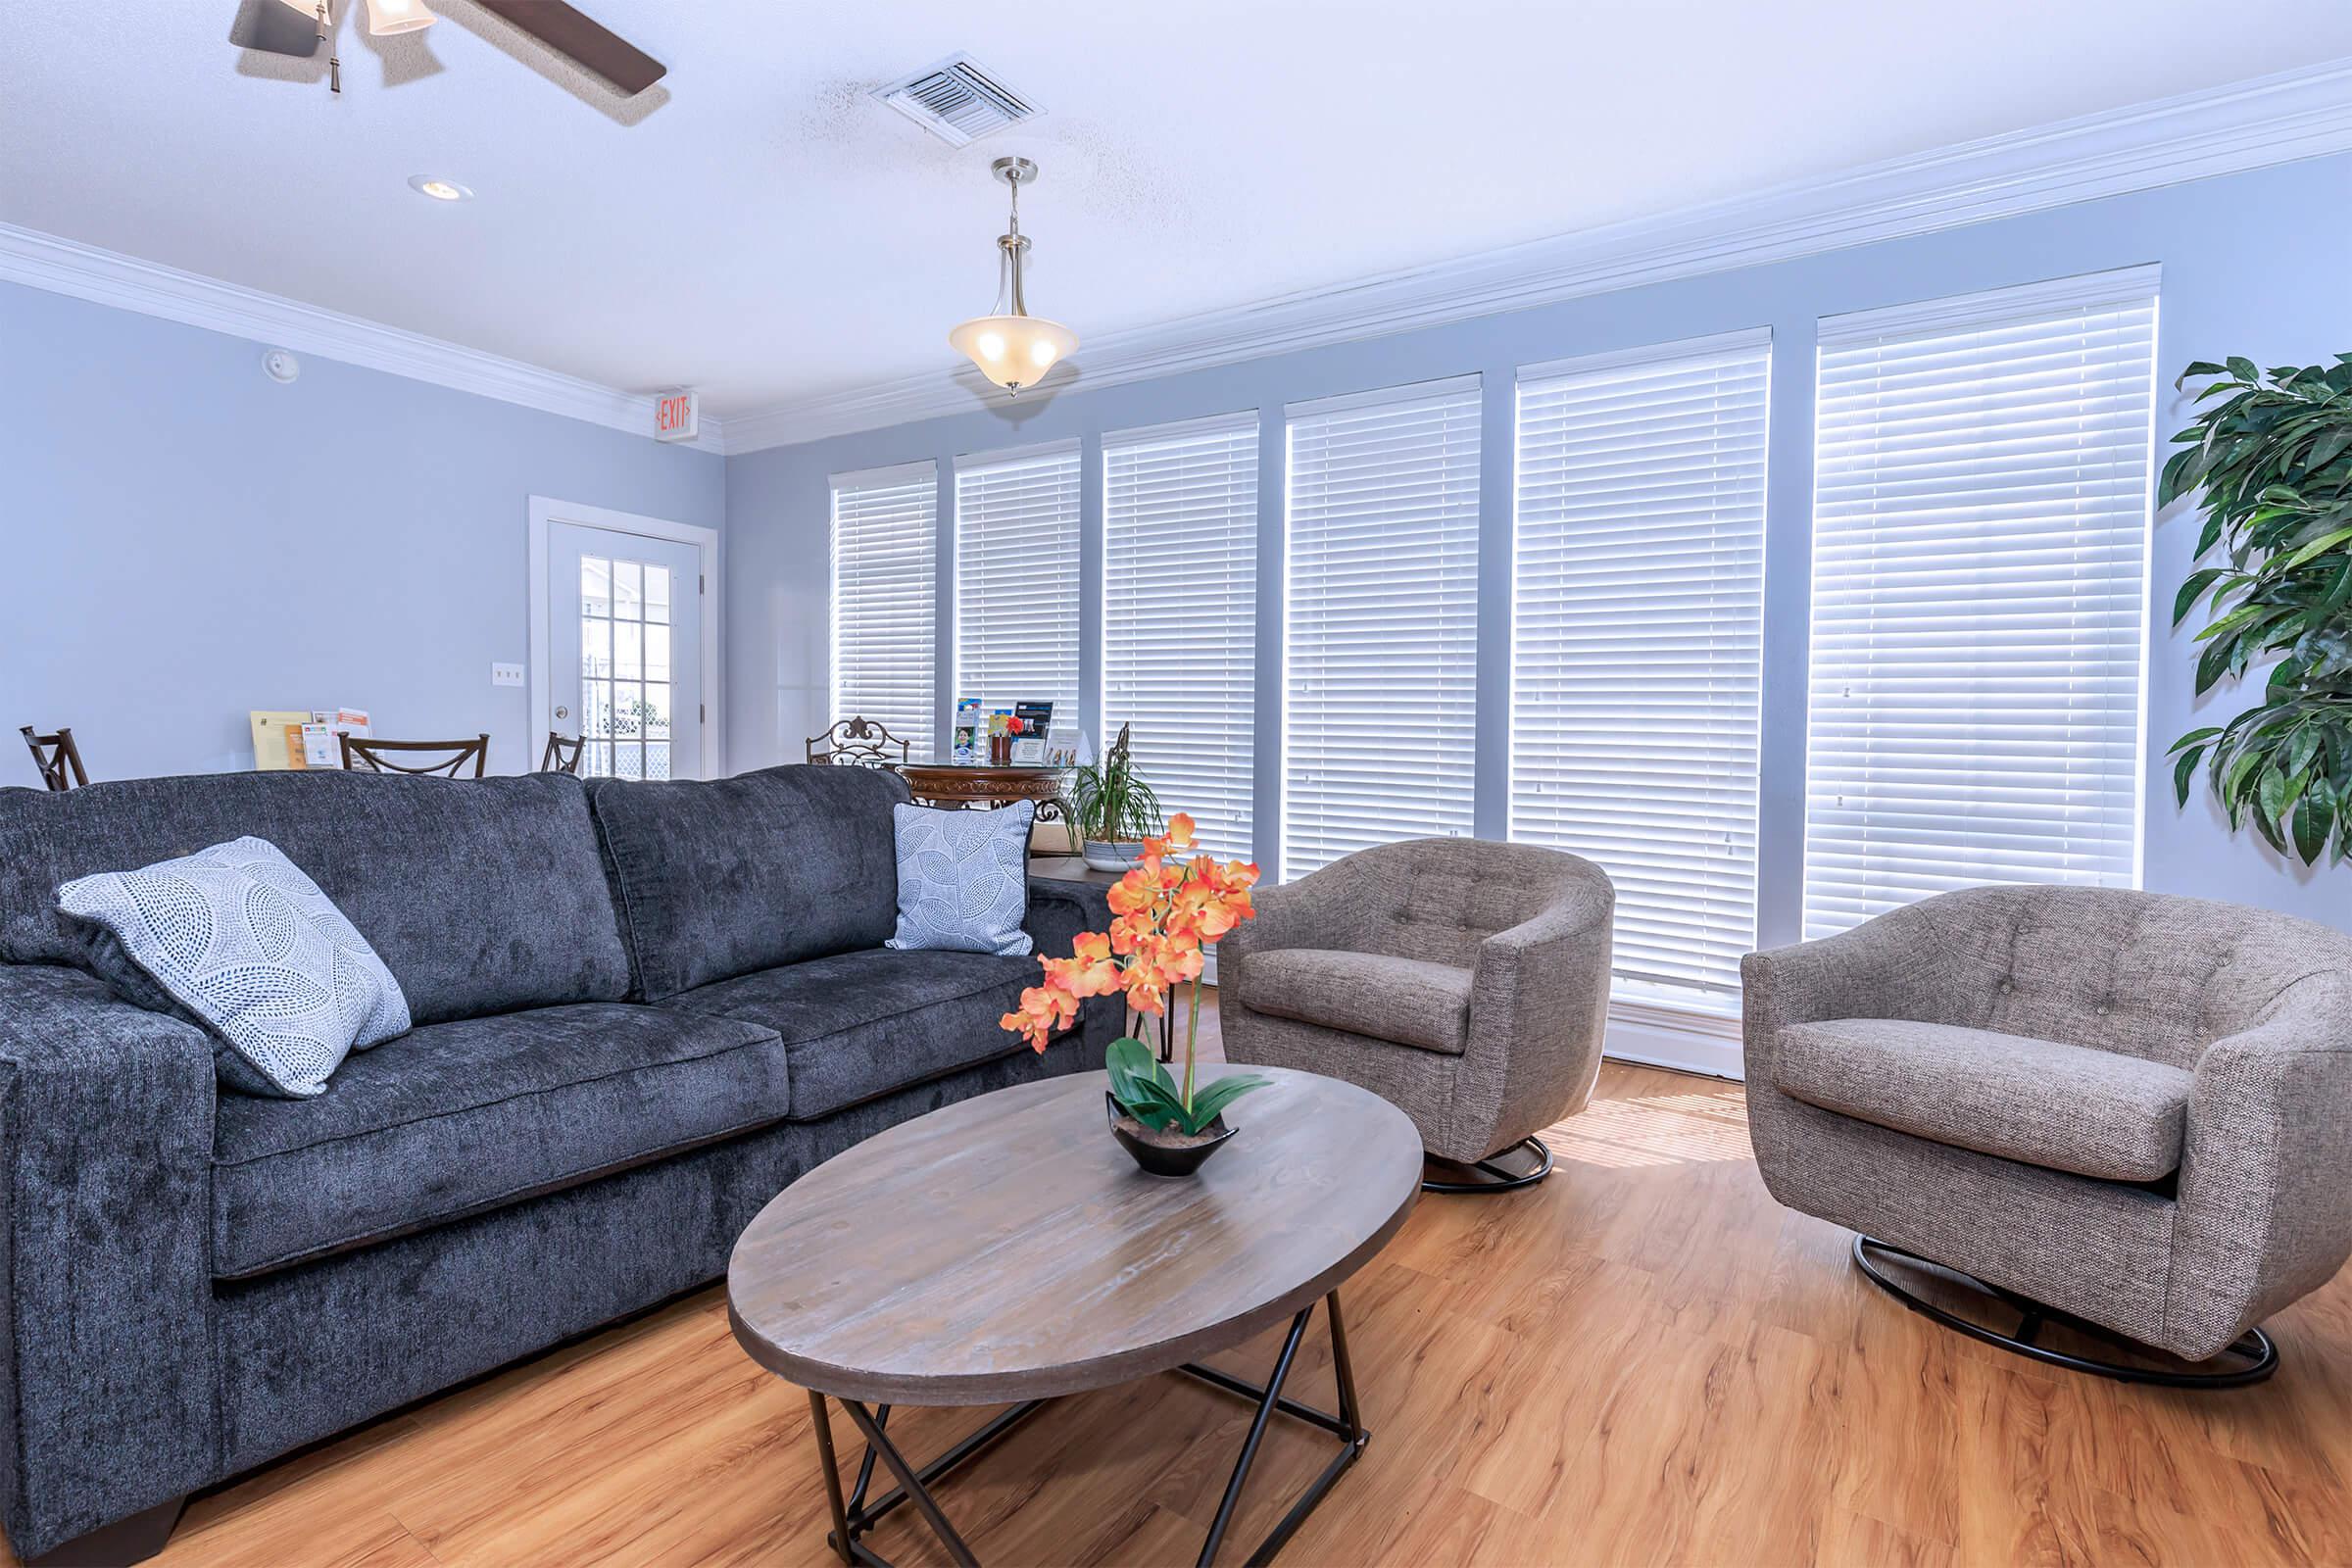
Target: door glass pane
[(625, 667), (596, 586)]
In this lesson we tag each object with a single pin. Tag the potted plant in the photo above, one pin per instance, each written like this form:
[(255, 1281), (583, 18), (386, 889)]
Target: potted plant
[(2274, 458), (1169, 913), (1112, 810)]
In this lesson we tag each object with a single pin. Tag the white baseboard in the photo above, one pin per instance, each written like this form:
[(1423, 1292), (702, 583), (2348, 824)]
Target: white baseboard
[(1687, 1042)]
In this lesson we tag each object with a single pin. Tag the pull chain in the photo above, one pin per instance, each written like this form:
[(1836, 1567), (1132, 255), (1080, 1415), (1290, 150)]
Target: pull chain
[(335, 62)]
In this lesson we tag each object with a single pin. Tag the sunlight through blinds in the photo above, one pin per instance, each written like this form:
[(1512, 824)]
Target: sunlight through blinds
[(1016, 578), (1979, 555), (1382, 588), (884, 553), (1636, 645), (1180, 616)]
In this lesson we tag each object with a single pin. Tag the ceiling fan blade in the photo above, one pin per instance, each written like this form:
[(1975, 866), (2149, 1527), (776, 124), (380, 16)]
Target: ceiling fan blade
[(563, 28), (278, 29)]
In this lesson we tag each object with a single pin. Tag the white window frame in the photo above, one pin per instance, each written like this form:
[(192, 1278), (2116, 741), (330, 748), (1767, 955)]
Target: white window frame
[(2128, 291), (899, 475)]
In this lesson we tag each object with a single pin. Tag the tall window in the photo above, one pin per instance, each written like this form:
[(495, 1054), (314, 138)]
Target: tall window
[(885, 550), (1180, 614), (1381, 662), (1636, 645), (1980, 550), (1016, 578)]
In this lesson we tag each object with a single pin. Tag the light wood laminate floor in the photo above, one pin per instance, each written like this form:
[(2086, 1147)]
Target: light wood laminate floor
[(1643, 1360)]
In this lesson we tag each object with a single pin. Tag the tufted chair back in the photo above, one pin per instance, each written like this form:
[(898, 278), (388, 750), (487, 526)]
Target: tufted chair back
[(1438, 898), (2147, 974)]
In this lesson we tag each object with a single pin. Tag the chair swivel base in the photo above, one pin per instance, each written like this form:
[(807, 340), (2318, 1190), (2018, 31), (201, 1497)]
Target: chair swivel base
[(2254, 1355), (1493, 1175)]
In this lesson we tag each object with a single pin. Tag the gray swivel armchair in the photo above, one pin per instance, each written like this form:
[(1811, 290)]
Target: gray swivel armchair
[(1466, 982), (2128, 1113)]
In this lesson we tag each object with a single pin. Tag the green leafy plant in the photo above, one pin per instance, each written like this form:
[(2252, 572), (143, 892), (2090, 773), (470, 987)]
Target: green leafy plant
[(2273, 458), (1112, 805), (1147, 1091)]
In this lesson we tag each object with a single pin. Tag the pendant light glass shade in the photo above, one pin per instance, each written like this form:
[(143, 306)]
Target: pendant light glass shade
[(1012, 347), (1013, 350), (388, 17)]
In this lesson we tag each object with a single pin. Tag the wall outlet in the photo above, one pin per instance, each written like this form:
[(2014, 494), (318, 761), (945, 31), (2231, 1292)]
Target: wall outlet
[(506, 674)]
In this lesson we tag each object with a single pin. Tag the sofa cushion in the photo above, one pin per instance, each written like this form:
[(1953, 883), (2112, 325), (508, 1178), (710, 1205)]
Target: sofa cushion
[(458, 1117), (480, 895), (2064, 1107), (1409, 1001), (741, 874), (860, 1024), (237, 939)]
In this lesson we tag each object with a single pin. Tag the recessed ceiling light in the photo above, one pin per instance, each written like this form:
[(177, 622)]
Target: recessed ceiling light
[(440, 190)]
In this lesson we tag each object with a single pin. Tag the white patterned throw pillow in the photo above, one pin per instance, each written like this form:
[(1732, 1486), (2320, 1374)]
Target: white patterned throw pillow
[(244, 941), (964, 878)]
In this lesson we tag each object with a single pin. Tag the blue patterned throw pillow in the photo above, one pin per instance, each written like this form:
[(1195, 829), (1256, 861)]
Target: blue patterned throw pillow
[(964, 879), (248, 947)]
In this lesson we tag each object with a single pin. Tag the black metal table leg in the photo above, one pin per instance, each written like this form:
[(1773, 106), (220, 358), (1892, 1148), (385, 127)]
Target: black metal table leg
[(824, 1448), (913, 1484), (853, 1517)]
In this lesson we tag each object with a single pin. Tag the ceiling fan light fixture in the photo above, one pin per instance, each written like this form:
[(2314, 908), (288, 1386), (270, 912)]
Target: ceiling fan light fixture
[(1010, 346), (388, 17)]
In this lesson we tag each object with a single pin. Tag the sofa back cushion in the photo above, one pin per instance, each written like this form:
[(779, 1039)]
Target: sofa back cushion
[(481, 896), (719, 878)]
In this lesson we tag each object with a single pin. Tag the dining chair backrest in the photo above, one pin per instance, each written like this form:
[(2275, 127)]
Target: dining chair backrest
[(857, 743), (562, 755), (57, 757), (372, 756)]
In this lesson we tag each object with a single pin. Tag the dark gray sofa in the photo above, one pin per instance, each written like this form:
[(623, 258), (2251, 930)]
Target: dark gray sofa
[(641, 1009)]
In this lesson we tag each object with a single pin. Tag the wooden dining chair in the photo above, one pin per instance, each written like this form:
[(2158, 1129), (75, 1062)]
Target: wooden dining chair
[(58, 759), (368, 755), (562, 755), (857, 743)]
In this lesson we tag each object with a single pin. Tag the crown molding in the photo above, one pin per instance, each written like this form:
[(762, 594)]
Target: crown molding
[(108, 277), (2299, 113)]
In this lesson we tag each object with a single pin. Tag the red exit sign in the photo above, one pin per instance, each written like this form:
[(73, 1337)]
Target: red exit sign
[(677, 416)]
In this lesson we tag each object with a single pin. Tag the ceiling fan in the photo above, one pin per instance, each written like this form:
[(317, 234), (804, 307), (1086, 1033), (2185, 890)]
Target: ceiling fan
[(297, 27)]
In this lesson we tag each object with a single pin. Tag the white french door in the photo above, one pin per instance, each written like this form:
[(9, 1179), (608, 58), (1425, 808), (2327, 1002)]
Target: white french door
[(625, 653)]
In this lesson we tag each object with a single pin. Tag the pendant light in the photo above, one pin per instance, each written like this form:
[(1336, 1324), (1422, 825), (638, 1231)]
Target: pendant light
[(388, 17), (1012, 347)]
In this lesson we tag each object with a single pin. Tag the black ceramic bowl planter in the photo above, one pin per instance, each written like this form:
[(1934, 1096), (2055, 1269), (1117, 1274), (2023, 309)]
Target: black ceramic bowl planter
[(1171, 1151)]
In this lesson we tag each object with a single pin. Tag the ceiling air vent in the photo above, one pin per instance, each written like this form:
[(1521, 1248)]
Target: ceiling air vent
[(957, 100)]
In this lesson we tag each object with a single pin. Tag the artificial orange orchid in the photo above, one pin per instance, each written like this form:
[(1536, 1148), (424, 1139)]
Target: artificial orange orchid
[(1167, 910)]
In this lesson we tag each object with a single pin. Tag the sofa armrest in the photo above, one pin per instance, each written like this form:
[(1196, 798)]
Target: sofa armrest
[(1539, 1009), (1059, 911), (2264, 1215), (105, 1130), (1867, 972)]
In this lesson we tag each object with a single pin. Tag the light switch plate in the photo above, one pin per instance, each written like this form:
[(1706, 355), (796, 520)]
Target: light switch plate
[(506, 674)]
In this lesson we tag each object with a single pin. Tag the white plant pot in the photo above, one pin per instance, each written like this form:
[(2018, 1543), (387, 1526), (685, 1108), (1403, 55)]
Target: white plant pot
[(1103, 856)]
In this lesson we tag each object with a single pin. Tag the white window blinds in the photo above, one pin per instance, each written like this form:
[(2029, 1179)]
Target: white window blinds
[(1980, 547), (1180, 616), (885, 552), (1380, 668), (1636, 645), (1016, 578)]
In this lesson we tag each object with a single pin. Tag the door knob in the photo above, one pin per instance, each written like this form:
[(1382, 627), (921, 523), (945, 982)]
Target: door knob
[(562, 713)]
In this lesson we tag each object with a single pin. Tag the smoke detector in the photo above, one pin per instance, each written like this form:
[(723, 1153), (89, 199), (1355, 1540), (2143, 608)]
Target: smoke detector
[(958, 100)]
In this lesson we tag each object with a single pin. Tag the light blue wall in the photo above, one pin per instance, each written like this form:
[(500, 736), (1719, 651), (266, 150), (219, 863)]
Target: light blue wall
[(184, 539), (2254, 264)]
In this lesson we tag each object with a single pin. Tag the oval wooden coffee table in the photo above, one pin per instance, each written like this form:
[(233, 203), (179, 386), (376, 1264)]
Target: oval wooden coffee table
[(1004, 1248)]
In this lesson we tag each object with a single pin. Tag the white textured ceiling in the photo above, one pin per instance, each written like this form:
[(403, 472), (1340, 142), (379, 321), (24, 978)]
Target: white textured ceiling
[(758, 226)]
